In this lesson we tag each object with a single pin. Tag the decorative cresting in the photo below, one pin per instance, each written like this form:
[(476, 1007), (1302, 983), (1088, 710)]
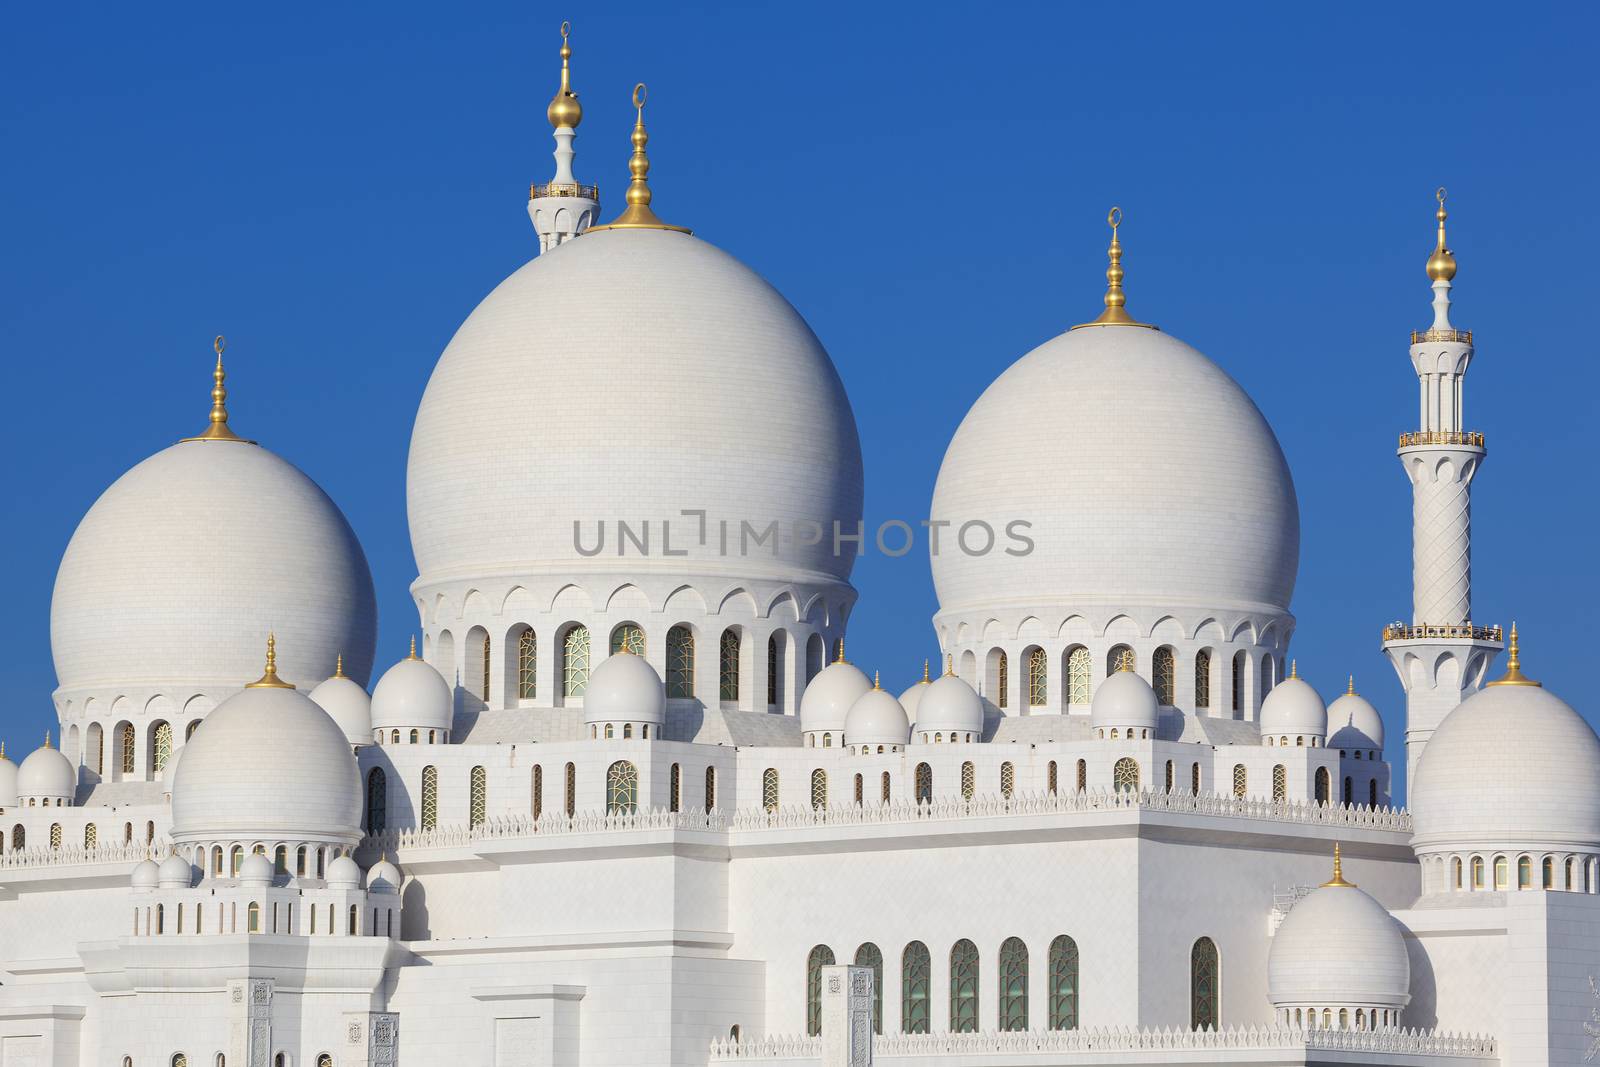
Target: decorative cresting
[(1514, 675), (218, 429), (269, 678), (1337, 881), (637, 215), (1116, 313)]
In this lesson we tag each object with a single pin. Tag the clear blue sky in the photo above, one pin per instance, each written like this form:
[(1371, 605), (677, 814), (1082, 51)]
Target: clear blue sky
[(336, 187)]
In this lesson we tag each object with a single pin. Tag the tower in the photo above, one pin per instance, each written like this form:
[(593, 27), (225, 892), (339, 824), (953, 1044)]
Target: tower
[(561, 208), (1441, 656)]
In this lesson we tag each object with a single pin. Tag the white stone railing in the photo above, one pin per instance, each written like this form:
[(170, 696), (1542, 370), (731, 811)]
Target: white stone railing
[(1209, 804), (73, 855), (922, 1046)]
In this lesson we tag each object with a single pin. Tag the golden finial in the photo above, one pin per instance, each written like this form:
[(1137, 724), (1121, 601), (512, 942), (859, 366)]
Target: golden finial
[(949, 665), (1442, 264), (218, 430), (924, 672), (413, 653), (1124, 663), (269, 678), (1294, 668), (2, 750), (338, 666), (1514, 675), (875, 683), (1337, 880), (637, 215), (1351, 688), (47, 739), (565, 110), (841, 658), (1116, 312)]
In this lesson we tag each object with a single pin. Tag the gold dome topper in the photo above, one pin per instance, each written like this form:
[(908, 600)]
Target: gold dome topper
[(637, 215), (218, 430), (565, 110), (1337, 881), (269, 678), (1442, 264), (1514, 675), (1116, 312)]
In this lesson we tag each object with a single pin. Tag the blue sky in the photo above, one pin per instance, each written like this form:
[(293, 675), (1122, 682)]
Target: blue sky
[(335, 189)]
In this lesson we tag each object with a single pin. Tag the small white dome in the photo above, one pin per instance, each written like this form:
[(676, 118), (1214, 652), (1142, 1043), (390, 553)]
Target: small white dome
[(169, 772), (1124, 701), (411, 694), (48, 774), (950, 706), (829, 696), (1513, 767), (146, 875), (348, 705), (343, 873), (1338, 947), (267, 763), (383, 877), (876, 718), (624, 688), (1293, 709), (1354, 723), (912, 697), (8, 782), (256, 871), (175, 872)]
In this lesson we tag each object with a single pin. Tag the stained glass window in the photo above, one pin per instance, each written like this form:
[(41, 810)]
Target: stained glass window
[(1204, 1012), (575, 661), (483, 688), (1194, 779), (885, 792), (868, 955), (1063, 988), (916, 965), (1013, 985), (528, 665), (728, 665), (622, 788), (1078, 676), (1324, 785), (1050, 778), (964, 987), (680, 662)]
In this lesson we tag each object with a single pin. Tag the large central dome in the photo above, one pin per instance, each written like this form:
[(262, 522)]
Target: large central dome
[(631, 375)]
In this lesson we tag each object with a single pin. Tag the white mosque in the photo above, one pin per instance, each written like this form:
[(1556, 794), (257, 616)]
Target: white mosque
[(628, 801)]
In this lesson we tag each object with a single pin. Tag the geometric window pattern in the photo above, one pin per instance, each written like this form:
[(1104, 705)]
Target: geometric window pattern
[(55, 835), (483, 666), (527, 665), (769, 789), (1280, 782), (1324, 786), (1013, 984), (820, 957), (728, 665), (1203, 1013), (1037, 686), (570, 801), (711, 788), (1003, 674), (622, 788), (1008, 780), (1063, 987), (869, 955), (1125, 775), (628, 637), (964, 987), (163, 745), (968, 781), (575, 661), (89, 836), (1241, 780), (1078, 676), (430, 797), (478, 810), (924, 784), (1165, 667), (538, 790), (819, 789), (915, 970), (675, 788), (127, 748), (1202, 678), (680, 662), (1121, 658)]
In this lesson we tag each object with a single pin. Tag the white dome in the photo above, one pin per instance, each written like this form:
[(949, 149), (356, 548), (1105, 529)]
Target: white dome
[(8, 783), (175, 872), (1338, 947), (1293, 709), (950, 706), (912, 697), (1171, 491), (146, 875), (348, 705), (876, 718), (624, 688), (411, 694), (1124, 700), (829, 696), (267, 764), (343, 873), (256, 871), (1354, 723), (177, 571), (383, 877), (47, 773), (666, 372), (1512, 767)]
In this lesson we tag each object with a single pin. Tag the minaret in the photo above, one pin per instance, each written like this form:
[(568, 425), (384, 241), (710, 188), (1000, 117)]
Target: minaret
[(1441, 656), (561, 209)]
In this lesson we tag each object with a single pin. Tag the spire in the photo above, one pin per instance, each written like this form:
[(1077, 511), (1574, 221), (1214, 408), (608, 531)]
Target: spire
[(949, 665), (47, 739), (875, 683), (413, 653), (924, 672), (841, 658), (564, 111), (1337, 881), (1350, 689), (1294, 668), (2, 750), (1442, 264), (1514, 675), (218, 429), (338, 666), (637, 215), (269, 678), (1116, 313)]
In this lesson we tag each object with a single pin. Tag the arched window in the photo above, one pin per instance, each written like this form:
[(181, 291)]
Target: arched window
[(180, 1060), (1525, 872), (1121, 657), (627, 731), (55, 835), (377, 800), (1372, 793), (609, 731), (819, 789), (1083, 776), (394, 737), (772, 670), (1572, 874), (1204, 1009), (916, 966), (883, 793), (571, 800), (622, 788), (1477, 872), (769, 789), (1267, 675), (924, 783), (1013, 984), (1241, 780), (483, 671), (1194, 779), (1280, 782), (1455, 872), (1002, 671), (252, 918), (538, 791), (675, 788), (969, 781), (1202, 678), (527, 665), (728, 666), (478, 805), (1078, 675), (1038, 680), (575, 661), (1547, 871), (1063, 988), (964, 987), (1324, 785), (1349, 788), (161, 747), (1008, 780), (627, 637), (127, 747), (860, 789), (416, 735), (1164, 668), (821, 956), (324, 1060), (1238, 681), (430, 798), (1125, 775), (869, 955), (89, 836), (19, 837), (680, 663), (1050, 778), (711, 789)]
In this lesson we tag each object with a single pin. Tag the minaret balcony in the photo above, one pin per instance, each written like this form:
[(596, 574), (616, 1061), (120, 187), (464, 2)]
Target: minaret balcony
[(1419, 337), (1461, 631), (1469, 438), (539, 190)]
